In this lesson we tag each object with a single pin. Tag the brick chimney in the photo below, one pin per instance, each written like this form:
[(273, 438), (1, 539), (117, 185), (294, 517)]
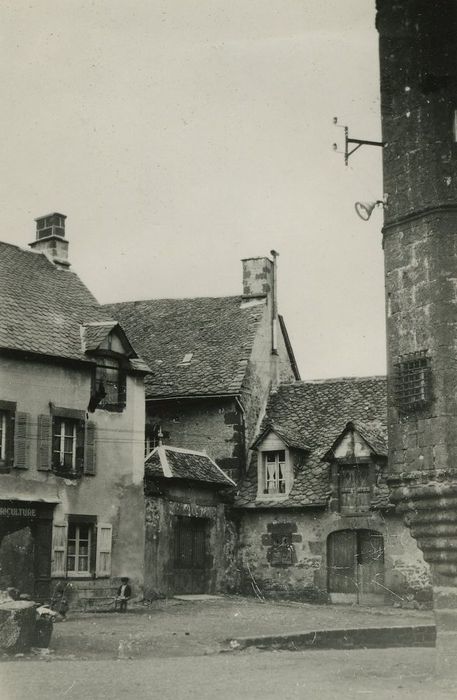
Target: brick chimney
[(50, 239)]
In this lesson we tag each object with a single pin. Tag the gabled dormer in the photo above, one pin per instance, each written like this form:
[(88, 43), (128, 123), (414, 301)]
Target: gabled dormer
[(356, 458), (278, 458), (106, 343)]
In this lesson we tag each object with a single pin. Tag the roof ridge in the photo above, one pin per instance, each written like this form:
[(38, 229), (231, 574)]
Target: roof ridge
[(146, 301), (334, 380)]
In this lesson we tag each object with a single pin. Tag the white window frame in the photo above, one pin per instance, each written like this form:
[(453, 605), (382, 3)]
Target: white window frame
[(79, 572), (263, 479), (66, 422)]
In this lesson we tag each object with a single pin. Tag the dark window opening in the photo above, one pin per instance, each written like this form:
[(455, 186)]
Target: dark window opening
[(110, 386), (413, 382)]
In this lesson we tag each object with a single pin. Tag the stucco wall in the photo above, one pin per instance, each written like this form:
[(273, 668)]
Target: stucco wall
[(406, 574), (115, 493)]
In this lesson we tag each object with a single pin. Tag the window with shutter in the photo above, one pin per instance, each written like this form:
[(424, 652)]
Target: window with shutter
[(67, 446), (59, 549), (79, 547), (7, 415), (104, 539)]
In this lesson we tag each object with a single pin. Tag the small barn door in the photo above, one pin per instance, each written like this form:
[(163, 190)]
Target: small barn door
[(370, 567), (191, 555), (355, 564), (341, 561)]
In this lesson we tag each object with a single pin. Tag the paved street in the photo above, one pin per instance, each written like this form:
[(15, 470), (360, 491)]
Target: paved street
[(322, 675)]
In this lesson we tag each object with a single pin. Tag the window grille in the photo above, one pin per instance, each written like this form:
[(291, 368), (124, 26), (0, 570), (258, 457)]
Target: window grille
[(412, 382)]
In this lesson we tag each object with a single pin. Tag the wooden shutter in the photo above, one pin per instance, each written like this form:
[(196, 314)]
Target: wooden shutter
[(80, 445), (90, 451), (21, 440), (9, 439), (44, 442), (104, 540), (59, 549)]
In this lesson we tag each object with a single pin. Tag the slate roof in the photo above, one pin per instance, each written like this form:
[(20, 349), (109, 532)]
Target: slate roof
[(218, 331), (43, 309), (313, 414), (178, 463), (95, 333)]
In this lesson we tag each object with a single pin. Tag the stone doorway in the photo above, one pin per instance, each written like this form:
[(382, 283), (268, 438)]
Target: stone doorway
[(355, 566)]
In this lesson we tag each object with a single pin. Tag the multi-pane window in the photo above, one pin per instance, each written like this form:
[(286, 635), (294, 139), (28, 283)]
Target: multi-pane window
[(110, 384), (79, 548), (274, 472), (64, 443), (412, 382)]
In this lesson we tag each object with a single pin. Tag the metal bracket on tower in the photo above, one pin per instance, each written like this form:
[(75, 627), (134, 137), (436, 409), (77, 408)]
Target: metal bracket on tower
[(347, 140)]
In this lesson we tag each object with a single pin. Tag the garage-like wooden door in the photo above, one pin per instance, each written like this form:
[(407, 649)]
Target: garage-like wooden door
[(355, 565), (191, 561)]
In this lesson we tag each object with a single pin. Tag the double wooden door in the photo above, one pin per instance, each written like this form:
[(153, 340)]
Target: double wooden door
[(355, 565), (191, 560)]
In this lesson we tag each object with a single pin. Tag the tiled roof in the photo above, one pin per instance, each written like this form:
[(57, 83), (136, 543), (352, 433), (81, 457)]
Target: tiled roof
[(43, 309), (95, 333), (178, 463), (218, 332), (313, 414)]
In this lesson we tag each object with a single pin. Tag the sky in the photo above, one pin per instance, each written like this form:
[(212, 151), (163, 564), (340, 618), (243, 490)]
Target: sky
[(179, 136)]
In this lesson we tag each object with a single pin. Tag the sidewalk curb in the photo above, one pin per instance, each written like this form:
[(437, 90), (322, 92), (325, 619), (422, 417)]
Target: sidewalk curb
[(357, 638)]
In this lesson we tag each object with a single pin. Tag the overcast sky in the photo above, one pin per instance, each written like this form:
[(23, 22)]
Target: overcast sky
[(180, 136)]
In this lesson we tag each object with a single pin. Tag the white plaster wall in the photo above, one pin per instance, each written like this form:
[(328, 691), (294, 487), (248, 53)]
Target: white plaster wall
[(115, 493)]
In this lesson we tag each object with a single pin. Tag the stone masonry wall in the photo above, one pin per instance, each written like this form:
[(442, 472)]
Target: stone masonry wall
[(211, 425), (300, 570), (418, 87)]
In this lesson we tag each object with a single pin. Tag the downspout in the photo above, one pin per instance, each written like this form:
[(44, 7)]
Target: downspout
[(274, 321), (243, 423)]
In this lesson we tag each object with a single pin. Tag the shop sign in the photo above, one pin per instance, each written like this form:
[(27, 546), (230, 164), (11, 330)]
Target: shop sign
[(17, 511)]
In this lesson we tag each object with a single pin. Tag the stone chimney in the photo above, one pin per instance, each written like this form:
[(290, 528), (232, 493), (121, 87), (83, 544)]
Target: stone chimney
[(50, 239), (260, 280), (258, 277)]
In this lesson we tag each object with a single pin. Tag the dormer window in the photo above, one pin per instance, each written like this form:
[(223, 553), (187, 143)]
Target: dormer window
[(274, 472), (110, 384)]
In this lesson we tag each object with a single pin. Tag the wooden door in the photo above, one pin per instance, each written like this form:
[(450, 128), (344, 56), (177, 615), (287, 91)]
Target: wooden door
[(342, 565), (191, 555), (370, 573), (355, 565)]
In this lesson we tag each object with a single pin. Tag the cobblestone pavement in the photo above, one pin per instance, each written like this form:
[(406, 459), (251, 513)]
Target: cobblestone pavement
[(178, 628), (384, 674)]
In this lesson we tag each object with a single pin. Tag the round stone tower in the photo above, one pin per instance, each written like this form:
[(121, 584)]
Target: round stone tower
[(418, 60)]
